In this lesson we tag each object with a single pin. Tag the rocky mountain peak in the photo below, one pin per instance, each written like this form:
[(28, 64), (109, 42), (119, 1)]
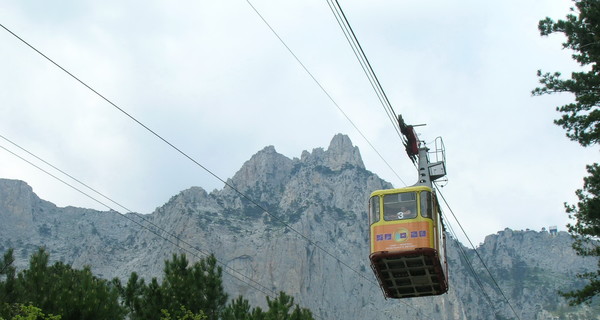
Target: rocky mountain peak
[(323, 196), (17, 206), (192, 195), (340, 152), (15, 190), (267, 168)]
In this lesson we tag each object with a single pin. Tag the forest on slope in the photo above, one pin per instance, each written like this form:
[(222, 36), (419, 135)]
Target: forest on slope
[(186, 291)]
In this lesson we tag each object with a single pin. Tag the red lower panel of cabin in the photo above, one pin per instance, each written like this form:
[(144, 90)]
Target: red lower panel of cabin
[(408, 274)]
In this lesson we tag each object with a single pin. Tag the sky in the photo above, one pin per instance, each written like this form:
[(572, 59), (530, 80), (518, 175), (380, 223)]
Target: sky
[(212, 78)]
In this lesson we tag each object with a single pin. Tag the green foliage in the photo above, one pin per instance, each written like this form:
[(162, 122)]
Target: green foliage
[(187, 292), (59, 289), (581, 120), (238, 309), (132, 293), (197, 288), (587, 229), (31, 313), (186, 315), (8, 286), (280, 308), (587, 213)]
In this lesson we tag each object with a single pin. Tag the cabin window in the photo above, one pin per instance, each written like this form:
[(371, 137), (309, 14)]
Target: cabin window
[(400, 206), (426, 204), (374, 209)]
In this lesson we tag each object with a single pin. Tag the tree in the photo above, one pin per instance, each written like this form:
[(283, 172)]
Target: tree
[(587, 213), (238, 309), (185, 289), (31, 313), (7, 286), (198, 288), (145, 302), (185, 315), (132, 293), (581, 120), (61, 290), (215, 297), (280, 307), (187, 292)]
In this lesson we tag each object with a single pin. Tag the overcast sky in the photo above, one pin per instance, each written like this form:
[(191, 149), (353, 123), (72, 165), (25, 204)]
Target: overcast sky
[(210, 77)]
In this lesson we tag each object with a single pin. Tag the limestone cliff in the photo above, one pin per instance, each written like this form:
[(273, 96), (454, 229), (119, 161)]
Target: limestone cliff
[(278, 226)]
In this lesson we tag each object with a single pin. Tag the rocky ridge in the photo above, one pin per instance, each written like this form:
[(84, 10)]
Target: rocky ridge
[(296, 215)]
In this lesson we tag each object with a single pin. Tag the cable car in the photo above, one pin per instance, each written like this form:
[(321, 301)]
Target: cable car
[(407, 242), (406, 233)]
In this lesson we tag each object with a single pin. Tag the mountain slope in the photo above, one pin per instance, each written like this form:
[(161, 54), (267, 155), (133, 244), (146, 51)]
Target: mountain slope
[(301, 227)]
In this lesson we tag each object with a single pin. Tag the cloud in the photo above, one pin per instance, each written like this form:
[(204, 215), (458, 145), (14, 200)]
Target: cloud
[(211, 78)]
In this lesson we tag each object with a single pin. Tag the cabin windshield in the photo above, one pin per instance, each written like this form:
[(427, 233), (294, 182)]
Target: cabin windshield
[(374, 209), (399, 206)]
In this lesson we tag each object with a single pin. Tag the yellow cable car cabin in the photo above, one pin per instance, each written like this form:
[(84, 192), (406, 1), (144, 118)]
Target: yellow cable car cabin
[(407, 242)]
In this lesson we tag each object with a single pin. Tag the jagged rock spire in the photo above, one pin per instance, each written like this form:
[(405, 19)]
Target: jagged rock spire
[(267, 167), (340, 152)]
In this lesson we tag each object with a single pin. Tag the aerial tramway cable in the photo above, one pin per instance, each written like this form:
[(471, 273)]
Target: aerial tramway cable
[(227, 269), (464, 255), (323, 89), (276, 217), (366, 67), (344, 24), (369, 72), (479, 257)]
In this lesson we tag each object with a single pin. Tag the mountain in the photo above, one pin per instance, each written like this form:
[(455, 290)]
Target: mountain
[(297, 225)]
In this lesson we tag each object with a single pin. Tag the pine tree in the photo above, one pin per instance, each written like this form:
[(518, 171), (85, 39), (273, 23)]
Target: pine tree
[(28, 312), (7, 285), (280, 307), (215, 297), (197, 289), (61, 290), (581, 120), (238, 309), (132, 293), (153, 301)]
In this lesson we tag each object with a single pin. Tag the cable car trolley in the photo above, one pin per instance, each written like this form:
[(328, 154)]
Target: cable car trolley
[(406, 232)]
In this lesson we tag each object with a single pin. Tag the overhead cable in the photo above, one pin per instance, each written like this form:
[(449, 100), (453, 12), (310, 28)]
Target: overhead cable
[(478, 255), (243, 195), (322, 88), (469, 264), (344, 24), (262, 288), (375, 83)]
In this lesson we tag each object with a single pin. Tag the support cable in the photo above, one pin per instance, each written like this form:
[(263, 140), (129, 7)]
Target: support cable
[(375, 83), (274, 294), (322, 88), (373, 79), (469, 263), (479, 256), (262, 288), (364, 63), (309, 241), (274, 216)]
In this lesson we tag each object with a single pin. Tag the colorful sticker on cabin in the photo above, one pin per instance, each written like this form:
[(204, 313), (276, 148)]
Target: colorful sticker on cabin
[(403, 237)]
